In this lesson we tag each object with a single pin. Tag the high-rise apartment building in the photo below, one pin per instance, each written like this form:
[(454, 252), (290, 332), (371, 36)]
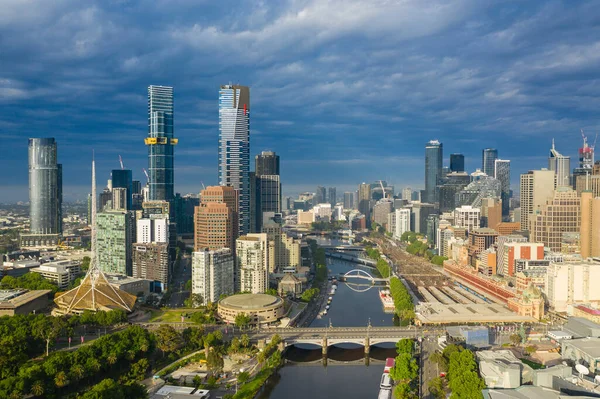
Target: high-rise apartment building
[(537, 186), (213, 274), (590, 225), (420, 211), (348, 200), (114, 240), (152, 230), (151, 262), (213, 225), (468, 217), (284, 249), (381, 210), (161, 142), (570, 283), (457, 163), (559, 215), (401, 222), (502, 174), (407, 194), (320, 195), (45, 193), (364, 200), (252, 263), (434, 156), (561, 166), (121, 178), (488, 159), (234, 147), (267, 163), (332, 196)]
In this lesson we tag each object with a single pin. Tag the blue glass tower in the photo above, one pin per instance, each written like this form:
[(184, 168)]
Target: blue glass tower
[(121, 178), (160, 142), (234, 146), (434, 155)]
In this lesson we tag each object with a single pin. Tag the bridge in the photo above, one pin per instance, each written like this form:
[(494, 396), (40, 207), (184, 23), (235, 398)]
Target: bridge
[(361, 274), (350, 258), (355, 248), (330, 336)]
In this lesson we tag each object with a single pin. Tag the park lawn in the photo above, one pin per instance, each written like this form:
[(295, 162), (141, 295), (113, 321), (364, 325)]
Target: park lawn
[(172, 315)]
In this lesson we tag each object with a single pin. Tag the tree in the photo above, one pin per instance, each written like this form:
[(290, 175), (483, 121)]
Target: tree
[(242, 320), (47, 328), (214, 361), (436, 388), (275, 360), (530, 349), (515, 339), (406, 368), (245, 340), (188, 285), (138, 370), (243, 377), (37, 388), (167, 339), (440, 360), (405, 346), (272, 291), (61, 379), (404, 391), (85, 263), (449, 350)]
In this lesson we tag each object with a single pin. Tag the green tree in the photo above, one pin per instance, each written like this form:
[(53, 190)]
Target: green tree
[(138, 370), (167, 339), (515, 339), (48, 329), (530, 349), (272, 291), (214, 361), (243, 377), (242, 320), (404, 391), (188, 285), (449, 350), (37, 388), (406, 368), (245, 340), (85, 263), (405, 346), (61, 379), (439, 359), (436, 388)]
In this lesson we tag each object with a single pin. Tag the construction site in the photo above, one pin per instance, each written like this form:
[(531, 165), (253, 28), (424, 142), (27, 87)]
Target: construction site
[(441, 299)]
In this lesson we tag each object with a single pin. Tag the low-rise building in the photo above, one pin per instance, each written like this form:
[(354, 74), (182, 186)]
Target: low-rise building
[(584, 351), (61, 272), (131, 285), (21, 301), (262, 308), (502, 369), (289, 285)]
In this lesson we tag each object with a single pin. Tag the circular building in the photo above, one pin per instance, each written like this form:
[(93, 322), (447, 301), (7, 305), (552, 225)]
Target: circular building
[(261, 308)]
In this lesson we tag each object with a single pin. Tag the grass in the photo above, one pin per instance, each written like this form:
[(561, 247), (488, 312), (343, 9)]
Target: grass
[(249, 389), (533, 365), (171, 315)]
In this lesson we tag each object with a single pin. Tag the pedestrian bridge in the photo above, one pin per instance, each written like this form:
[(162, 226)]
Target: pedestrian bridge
[(360, 274), (350, 258)]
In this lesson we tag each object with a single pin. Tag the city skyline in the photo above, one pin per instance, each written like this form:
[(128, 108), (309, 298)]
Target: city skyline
[(488, 89)]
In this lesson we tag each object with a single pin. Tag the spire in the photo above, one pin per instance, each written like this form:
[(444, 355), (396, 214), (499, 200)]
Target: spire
[(553, 143)]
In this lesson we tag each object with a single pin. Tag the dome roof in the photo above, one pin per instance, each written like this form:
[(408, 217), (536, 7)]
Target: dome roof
[(532, 292)]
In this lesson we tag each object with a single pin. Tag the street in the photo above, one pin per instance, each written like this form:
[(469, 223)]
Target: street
[(180, 276), (428, 369)]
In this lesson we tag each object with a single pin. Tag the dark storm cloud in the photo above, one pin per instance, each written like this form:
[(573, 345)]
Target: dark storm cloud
[(345, 91)]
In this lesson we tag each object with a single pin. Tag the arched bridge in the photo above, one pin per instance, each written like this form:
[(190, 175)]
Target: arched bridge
[(361, 274)]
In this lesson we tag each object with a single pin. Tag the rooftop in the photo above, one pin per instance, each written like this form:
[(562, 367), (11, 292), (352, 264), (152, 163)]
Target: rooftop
[(590, 346), (16, 298), (250, 301)]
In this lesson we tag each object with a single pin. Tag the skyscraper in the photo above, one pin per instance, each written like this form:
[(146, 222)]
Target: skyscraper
[(121, 178), (332, 196), (488, 157), (537, 186), (267, 163), (364, 200), (234, 147), (215, 220), (558, 215), (348, 200), (252, 263), (213, 274), (457, 163), (160, 142), (434, 155), (114, 239), (321, 195), (561, 166), (590, 220), (502, 173), (45, 193)]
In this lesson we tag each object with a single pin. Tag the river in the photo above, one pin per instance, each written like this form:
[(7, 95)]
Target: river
[(346, 374)]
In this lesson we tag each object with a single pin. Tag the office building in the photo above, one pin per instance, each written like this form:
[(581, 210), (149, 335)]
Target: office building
[(161, 142), (450, 185), (590, 225), (252, 263), (184, 213), (457, 163), (332, 198), (119, 199), (121, 179), (364, 200), (503, 250), (266, 163), (481, 186), (588, 183), (537, 186), (381, 210), (151, 262), (61, 272), (491, 212), (488, 159), (348, 200), (434, 156), (45, 193), (502, 174), (418, 217), (468, 217), (234, 147), (571, 283), (136, 187), (213, 274), (479, 240), (433, 223), (559, 215), (561, 166), (321, 195), (407, 194), (214, 227), (586, 160), (114, 236), (306, 217), (225, 195), (512, 251)]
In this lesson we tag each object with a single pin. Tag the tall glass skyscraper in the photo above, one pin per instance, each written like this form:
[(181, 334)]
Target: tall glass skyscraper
[(267, 163), (434, 155), (121, 178), (502, 173), (488, 158), (457, 163), (45, 187), (234, 146), (160, 142)]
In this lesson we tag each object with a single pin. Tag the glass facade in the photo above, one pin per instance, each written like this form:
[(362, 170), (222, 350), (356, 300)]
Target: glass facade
[(502, 174), (267, 163), (488, 159), (160, 143), (45, 187), (457, 163), (434, 155), (121, 178), (234, 147)]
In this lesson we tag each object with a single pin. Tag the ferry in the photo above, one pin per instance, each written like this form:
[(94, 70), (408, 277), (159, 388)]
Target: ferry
[(389, 363), (386, 385)]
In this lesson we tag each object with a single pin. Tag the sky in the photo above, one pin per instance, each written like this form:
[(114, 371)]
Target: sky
[(344, 91)]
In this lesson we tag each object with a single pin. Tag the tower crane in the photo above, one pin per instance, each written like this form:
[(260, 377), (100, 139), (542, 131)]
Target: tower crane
[(121, 162), (146, 173), (382, 189), (203, 186)]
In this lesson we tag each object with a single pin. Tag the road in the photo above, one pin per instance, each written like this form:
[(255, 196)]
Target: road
[(180, 276), (428, 369)]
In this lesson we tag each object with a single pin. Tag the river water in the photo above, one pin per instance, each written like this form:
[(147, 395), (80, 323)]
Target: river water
[(346, 374)]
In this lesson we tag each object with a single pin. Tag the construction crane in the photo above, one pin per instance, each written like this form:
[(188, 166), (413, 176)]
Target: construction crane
[(146, 173), (121, 162), (203, 186), (382, 189)]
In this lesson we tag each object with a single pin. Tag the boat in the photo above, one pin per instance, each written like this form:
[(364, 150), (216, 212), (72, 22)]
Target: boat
[(330, 298), (327, 307), (325, 312), (389, 363), (387, 301)]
